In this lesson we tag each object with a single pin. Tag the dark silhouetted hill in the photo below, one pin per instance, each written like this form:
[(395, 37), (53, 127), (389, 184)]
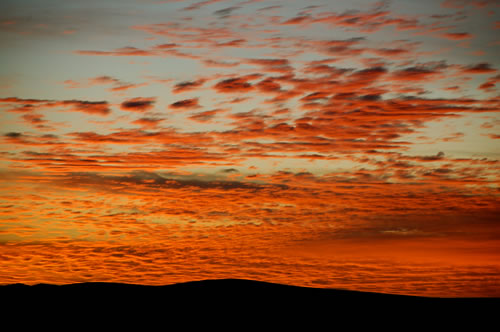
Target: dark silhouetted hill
[(225, 298)]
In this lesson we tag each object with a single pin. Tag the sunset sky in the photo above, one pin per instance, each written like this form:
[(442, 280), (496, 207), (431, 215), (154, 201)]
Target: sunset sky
[(323, 143)]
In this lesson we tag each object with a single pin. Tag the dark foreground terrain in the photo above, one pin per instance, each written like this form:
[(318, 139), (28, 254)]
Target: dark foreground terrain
[(230, 291), (236, 298)]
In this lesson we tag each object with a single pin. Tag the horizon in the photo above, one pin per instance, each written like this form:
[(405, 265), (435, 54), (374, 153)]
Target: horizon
[(334, 145)]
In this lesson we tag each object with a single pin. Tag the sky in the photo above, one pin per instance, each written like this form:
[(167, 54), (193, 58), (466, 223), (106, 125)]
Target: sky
[(337, 144)]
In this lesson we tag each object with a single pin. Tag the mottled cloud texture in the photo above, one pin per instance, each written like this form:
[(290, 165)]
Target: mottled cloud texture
[(330, 146)]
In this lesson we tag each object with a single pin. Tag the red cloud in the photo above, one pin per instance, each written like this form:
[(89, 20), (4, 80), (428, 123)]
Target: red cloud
[(206, 116), (390, 52), (368, 21), (316, 96), (117, 84), (414, 74), (232, 43), (138, 104), (90, 107), (148, 122), (188, 86), (272, 65), (457, 35), (369, 74), (464, 3), (185, 104), (124, 51), (233, 85), (268, 85), (156, 51), (297, 20), (34, 118), (198, 5), (490, 84), (480, 68), (48, 140), (222, 64), (28, 105), (166, 46), (341, 47), (193, 37)]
